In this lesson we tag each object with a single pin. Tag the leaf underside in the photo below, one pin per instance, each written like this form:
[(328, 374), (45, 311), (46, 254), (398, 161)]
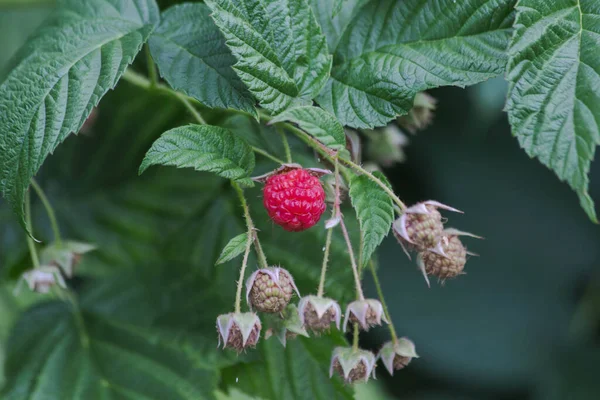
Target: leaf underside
[(191, 55), (554, 87), (60, 76), (393, 49)]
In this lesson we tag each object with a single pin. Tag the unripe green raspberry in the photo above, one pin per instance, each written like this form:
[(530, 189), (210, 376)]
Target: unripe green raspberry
[(420, 227), (448, 259), (448, 266), (270, 289)]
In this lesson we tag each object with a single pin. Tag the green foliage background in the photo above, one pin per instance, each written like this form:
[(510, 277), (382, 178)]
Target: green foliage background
[(522, 324)]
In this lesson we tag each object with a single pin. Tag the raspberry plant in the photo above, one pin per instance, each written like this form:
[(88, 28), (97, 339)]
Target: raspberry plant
[(265, 105)]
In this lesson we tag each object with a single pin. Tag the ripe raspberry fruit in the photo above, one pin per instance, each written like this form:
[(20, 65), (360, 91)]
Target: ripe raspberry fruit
[(294, 198)]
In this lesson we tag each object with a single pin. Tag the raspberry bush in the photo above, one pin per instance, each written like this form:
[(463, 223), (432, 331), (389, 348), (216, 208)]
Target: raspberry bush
[(266, 108)]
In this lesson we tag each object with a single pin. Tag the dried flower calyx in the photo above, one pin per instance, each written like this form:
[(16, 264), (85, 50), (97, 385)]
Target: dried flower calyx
[(238, 330), (366, 313), (396, 356), (352, 365), (42, 279), (270, 289), (65, 255), (318, 313), (420, 227), (421, 115), (448, 259)]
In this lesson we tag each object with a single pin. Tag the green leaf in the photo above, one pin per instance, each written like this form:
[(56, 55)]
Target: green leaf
[(281, 52), (554, 93), (297, 372), (73, 355), (191, 55), (334, 24), (374, 210), (234, 248), (393, 49), (204, 148), (62, 73), (318, 123)]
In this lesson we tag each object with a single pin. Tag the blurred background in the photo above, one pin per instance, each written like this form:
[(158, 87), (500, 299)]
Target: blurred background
[(524, 323)]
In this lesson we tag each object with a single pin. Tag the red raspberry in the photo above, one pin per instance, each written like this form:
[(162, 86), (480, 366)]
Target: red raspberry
[(295, 200)]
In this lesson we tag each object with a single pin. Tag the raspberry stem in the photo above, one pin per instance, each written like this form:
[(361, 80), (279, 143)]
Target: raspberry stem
[(355, 338), (383, 303), (151, 67), (49, 211), (359, 291), (250, 225), (34, 257), (286, 145), (325, 262), (267, 155), (240, 283)]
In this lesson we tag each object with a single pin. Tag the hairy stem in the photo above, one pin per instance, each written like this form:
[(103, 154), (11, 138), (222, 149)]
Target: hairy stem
[(267, 155), (382, 300), (250, 225), (49, 211), (325, 262), (378, 181), (240, 283), (359, 291), (286, 146), (355, 338), (32, 252)]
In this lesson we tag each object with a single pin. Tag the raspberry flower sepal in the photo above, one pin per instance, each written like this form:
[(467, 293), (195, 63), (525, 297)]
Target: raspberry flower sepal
[(352, 364), (396, 356), (367, 313), (420, 115), (65, 255), (270, 289), (318, 313), (238, 330), (42, 279), (289, 327), (420, 227)]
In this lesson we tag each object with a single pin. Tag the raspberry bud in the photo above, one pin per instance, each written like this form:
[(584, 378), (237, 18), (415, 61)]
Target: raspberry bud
[(270, 289), (366, 313), (448, 259), (294, 197), (42, 279), (420, 227), (65, 255), (318, 313), (421, 115), (352, 365), (396, 356), (386, 145), (238, 330)]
